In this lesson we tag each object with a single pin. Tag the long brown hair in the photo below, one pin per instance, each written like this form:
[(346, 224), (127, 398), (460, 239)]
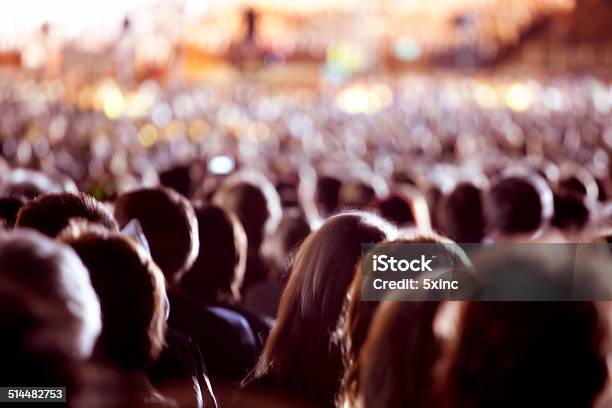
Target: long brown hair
[(298, 357), (357, 315), (398, 356)]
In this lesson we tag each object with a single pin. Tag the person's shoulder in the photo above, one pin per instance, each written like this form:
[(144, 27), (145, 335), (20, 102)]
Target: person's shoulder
[(228, 318), (264, 297)]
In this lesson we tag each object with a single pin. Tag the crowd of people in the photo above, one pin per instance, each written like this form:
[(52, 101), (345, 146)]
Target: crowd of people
[(207, 254)]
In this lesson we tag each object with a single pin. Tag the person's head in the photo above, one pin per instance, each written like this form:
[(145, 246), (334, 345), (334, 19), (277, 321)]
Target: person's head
[(571, 213), (255, 202), (511, 349), (169, 224), (177, 178), (132, 295), (9, 207), (51, 213), (282, 245), (218, 271), (397, 210), (327, 195), (357, 194), (297, 355), (356, 316), (506, 353), (461, 215), (49, 311), (518, 204), (397, 359)]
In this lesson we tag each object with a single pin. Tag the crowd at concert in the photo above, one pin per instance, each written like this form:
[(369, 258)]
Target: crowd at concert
[(207, 252)]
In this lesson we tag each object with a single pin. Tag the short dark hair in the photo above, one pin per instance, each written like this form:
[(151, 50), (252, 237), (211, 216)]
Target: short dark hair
[(571, 212), (217, 273), (508, 352), (518, 204), (357, 194), (461, 215), (397, 210), (9, 207), (254, 200), (327, 195), (132, 295), (169, 224), (51, 213)]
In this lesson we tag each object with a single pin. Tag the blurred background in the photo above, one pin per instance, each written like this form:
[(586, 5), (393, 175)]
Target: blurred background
[(158, 83)]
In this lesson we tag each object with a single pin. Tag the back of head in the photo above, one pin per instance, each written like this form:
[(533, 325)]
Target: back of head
[(34, 345), (9, 207), (461, 214), (571, 213), (218, 271), (518, 205), (169, 224), (53, 290), (357, 194), (255, 202), (507, 353), (327, 195), (280, 246), (51, 213), (132, 295), (397, 210), (357, 314), (177, 178), (298, 354), (398, 356)]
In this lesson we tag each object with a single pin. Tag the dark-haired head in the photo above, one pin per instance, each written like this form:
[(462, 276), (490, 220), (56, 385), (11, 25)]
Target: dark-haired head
[(518, 204), (51, 213), (177, 178), (397, 210), (357, 194), (132, 295), (504, 353), (254, 200), (327, 195), (460, 214), (217, 274), (507, 353), (9, 207), (281, 246), (169, 224), (571, 212)]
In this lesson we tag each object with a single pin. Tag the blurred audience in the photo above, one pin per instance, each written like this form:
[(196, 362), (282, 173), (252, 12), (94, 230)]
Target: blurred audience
[(210, 254)]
